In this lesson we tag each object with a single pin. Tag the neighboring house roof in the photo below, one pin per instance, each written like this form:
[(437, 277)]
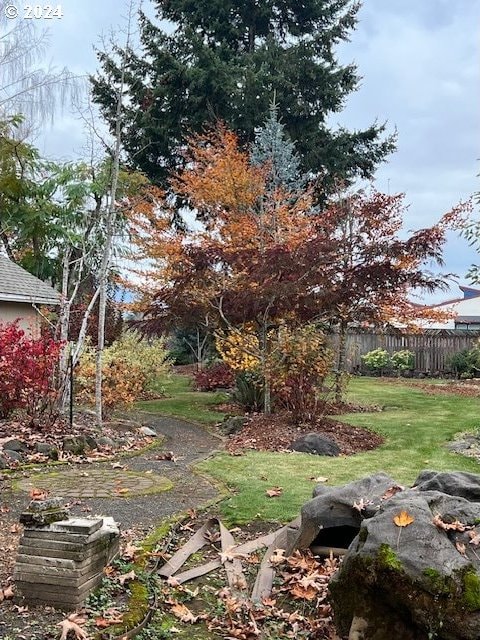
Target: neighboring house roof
[(465, 310), (18, 285)]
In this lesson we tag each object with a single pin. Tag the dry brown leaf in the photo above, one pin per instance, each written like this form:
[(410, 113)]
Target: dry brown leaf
[(391, 491), (449, 526), (362, 504), (130, 551), (6, 594), (212, 536), (68, 626), (319, 479), (474, 538), (277, 557), (461, 548), (274, 492), (183, 613), (403, 519), (126, 577), (38, 494), (121, 490), (298, 591)]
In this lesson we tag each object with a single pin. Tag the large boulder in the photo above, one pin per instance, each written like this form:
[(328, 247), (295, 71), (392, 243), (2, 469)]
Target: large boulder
[(455, 483), (412, 571), (316, 444), (342, 509)]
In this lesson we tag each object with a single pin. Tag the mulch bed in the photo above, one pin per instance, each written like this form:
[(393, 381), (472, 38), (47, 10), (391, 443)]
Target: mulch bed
[(276, 433), (466, 388)]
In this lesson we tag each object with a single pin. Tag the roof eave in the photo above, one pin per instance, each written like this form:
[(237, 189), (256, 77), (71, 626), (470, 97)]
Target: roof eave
[(6, 297)]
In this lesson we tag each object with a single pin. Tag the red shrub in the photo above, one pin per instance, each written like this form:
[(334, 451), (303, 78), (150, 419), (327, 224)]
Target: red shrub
[(219, 376), (27, 372)]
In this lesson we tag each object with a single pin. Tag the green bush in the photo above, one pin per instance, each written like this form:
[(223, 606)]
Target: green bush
[(403, 360), (377, 360), (249, 391), (466, 363)]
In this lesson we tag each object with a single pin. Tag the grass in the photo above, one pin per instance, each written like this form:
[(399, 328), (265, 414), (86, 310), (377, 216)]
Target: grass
[(183, 402), (416, 426)]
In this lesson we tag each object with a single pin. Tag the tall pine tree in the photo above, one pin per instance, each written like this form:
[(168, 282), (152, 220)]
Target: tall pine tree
[(225, 59)]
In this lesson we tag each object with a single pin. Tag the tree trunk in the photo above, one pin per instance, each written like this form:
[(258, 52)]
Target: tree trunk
[(342, 349)]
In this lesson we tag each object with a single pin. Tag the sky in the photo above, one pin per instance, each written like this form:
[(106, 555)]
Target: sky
[(419, 62)]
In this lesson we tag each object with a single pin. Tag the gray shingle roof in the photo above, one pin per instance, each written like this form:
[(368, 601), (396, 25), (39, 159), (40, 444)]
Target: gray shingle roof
[(18, 285)]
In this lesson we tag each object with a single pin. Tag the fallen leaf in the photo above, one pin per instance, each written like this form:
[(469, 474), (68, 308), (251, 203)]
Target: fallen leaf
[(67, 626), (126, 577), (121, 490), (362, 504), (6, 594), (403, 519), (183, 613), (391, 491), (319, 479), (274, 492), (277, 557), (449, 526), (474, 538), (461, 548), (38, 494), (130, 551), (168, 455)]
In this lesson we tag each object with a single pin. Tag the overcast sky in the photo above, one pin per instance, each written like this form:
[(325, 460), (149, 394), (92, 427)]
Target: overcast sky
[(419, 60)]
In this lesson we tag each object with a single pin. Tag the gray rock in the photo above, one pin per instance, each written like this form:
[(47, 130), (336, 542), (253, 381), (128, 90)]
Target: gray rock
[(91, 442), (46, 505), (47, 449), (15, 445), (316, 444), (232, 425), (74, 444), (146, 431), (3, 462), (334, 507), (411, 582), (105, 441), (455, 483), (14, 456)]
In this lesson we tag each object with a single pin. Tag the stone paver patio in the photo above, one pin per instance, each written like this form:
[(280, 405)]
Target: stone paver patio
[(96, 483)]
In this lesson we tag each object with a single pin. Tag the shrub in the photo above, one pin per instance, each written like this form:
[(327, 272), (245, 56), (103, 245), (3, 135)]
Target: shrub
[(376, 360), (403, 360), (249, 391), (218, 376), (149, 356), (466, 363), (131, 367), (239, 349), (28, 374), (300, 363)]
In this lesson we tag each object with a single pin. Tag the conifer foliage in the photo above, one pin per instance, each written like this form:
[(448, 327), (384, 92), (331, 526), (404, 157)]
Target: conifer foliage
[(226, 60)]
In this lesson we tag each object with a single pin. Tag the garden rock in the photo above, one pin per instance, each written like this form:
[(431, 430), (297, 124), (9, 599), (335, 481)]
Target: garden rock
[(14, 456), (3, 462), (146, 431), (344, 506), (74, 444), (457, 483), (91, 442), (15, 445), (316, 444), (105, 441), (411, 582), (232, 425), (47, 449)]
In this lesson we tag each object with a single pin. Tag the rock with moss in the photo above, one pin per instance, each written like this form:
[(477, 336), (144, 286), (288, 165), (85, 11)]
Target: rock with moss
[(413, 570)]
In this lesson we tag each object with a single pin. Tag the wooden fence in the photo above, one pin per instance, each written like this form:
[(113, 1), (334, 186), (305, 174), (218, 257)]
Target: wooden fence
[(432, 348)]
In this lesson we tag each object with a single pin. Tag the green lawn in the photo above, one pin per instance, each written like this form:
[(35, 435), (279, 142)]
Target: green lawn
[(183, 402), (416, 426)]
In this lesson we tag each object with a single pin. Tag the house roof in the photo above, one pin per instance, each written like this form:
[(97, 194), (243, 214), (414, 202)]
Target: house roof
[(18, 285)]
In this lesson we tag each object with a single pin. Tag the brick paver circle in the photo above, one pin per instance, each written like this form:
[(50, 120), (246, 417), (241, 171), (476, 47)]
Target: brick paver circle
[(97, 483)]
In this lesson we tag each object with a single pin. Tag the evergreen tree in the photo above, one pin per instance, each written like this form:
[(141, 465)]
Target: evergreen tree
[(224, 60), (273, 146)]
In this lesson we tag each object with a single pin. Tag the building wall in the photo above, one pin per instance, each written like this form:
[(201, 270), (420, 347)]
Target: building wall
[(25, 313)]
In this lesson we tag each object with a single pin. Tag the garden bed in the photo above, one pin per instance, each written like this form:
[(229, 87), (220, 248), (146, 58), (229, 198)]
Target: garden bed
[(276, 433)]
